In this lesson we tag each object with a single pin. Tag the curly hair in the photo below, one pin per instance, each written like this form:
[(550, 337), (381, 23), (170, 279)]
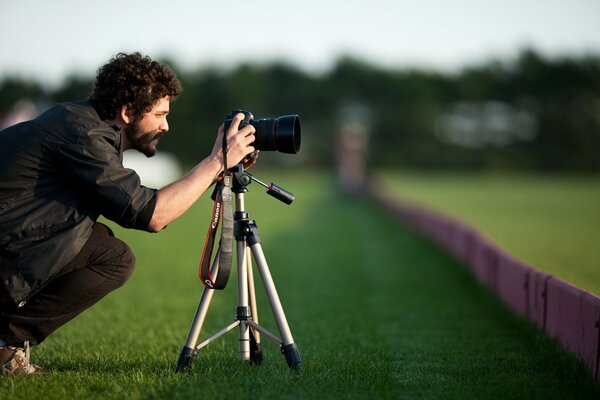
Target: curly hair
[(134, 81)]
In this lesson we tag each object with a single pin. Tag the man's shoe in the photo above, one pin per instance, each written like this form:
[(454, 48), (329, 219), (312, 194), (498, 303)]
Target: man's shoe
[(15, 361), (6, 354)]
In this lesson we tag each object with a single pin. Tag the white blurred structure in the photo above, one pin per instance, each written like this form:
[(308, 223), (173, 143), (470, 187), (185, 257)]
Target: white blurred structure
[(23, 110), (488, 123), (154, 172), (351, 148)]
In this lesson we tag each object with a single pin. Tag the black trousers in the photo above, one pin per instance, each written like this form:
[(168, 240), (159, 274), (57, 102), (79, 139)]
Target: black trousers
[(103, 265)]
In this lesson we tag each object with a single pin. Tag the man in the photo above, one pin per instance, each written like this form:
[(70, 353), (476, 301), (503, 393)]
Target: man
[(60, 171)]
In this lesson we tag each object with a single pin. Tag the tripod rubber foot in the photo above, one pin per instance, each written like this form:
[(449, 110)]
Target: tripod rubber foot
[(292, 356), (256, 355), (256, 351), (186, 359)]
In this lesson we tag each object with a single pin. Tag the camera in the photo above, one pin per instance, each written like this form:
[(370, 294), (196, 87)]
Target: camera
[(272, 134)]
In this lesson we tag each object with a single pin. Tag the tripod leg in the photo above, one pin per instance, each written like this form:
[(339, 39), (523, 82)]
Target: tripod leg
[(256, 354), (288, 348), (243, 310), (188, 353)]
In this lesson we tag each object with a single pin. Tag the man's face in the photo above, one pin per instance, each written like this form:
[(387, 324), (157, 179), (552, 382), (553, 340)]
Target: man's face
[(144, 133)]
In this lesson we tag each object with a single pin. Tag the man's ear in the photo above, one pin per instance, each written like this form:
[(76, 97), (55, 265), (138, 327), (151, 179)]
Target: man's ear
[(125, 115)]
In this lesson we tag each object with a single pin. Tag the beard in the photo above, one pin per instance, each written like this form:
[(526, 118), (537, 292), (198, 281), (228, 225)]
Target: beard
[(144, 142)]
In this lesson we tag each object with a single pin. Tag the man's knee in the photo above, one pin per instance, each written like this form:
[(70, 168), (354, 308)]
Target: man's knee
[(113, 259), (122, 261)]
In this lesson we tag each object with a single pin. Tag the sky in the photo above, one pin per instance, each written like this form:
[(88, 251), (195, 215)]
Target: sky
[(50, 40)]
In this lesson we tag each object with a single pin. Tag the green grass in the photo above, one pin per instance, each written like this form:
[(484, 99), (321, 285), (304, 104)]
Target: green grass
[(377, 311), (550, 222)]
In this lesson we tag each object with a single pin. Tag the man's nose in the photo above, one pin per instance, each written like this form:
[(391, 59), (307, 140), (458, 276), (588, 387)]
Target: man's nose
[(164, 126)]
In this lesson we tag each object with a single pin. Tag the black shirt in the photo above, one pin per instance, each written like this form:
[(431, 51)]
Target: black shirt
[(58, 173)]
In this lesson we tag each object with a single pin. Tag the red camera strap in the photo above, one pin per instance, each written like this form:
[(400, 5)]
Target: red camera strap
[(222, 209)]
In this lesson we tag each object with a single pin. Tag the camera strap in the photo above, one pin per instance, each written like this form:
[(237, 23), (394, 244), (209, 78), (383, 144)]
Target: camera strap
[(222, 209)]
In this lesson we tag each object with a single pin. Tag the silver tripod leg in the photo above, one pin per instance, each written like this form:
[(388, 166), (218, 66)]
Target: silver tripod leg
[(252, 292), (243, 310), (188, 353), (288, 347), (265, 274), (256, 353)]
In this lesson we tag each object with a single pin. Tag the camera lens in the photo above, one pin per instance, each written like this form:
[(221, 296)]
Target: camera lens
[(272, 134), (280, 134)]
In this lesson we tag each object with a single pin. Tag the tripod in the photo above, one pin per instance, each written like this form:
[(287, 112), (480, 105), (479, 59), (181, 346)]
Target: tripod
[(247, 245)]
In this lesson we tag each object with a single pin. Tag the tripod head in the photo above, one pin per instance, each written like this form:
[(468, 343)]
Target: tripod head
[(241, 180)]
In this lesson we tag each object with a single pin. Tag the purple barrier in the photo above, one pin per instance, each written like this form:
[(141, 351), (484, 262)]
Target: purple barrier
[(536, 297), (589, 351), (396, 209), (422, 221), (572, 318), (413, 217), (460, 241), (483, 260), (512, 283), (438, 228), (565, 312)]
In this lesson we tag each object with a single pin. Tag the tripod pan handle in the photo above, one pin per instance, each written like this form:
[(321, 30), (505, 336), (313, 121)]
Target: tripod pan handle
[(280, 193)]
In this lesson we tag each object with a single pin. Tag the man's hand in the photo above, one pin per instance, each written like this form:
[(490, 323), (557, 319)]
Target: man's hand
[(174, 199), (250, 159), (238, 143)]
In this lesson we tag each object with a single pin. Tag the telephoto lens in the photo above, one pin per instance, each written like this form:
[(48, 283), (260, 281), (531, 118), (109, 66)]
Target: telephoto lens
[(272, 134)]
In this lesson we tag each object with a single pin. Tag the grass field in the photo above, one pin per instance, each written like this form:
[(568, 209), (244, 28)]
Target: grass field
[(550, 222), (377, 311)]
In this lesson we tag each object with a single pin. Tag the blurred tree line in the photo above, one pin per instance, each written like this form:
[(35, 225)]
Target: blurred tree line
[(528, 113)]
